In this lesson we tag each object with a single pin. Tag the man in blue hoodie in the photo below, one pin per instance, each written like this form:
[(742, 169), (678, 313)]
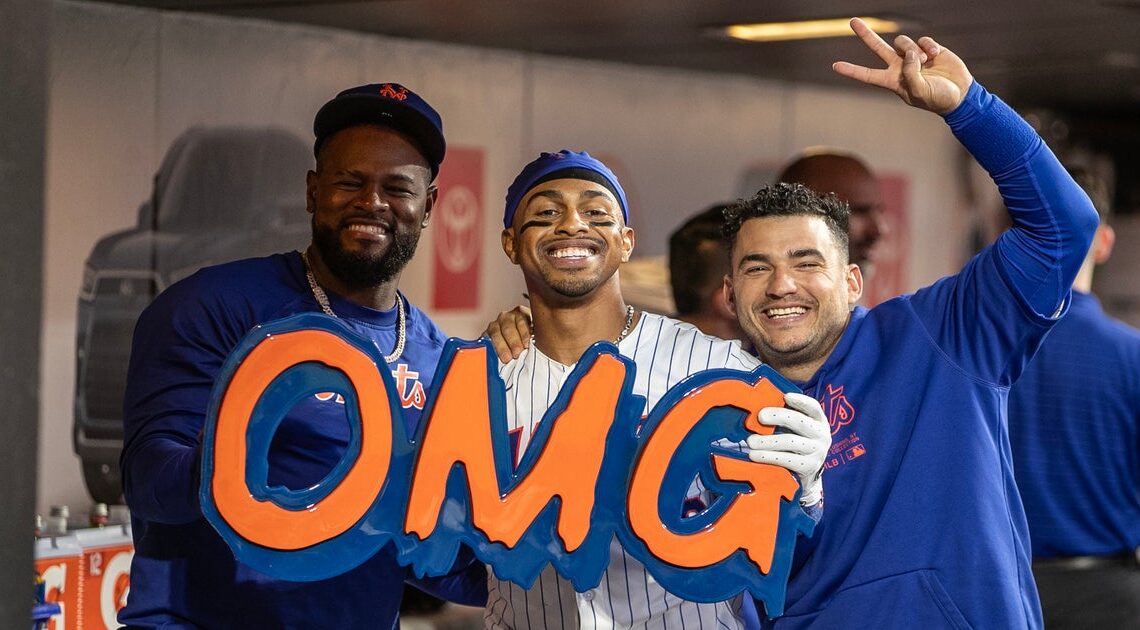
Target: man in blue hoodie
[(924, 527)]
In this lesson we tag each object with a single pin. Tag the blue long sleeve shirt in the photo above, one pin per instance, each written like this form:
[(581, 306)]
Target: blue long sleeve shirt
[(183, 573)]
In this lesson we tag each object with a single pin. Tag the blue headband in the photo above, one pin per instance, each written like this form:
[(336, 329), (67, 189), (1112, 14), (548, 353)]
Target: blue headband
[(551, 163)]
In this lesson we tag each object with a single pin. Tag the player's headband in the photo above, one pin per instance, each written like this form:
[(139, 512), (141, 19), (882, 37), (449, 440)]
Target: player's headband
[(562, 165)]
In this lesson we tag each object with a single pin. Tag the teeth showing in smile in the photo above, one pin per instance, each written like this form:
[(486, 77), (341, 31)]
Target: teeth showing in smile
[(786, 312), (571, 252), (374, 230)]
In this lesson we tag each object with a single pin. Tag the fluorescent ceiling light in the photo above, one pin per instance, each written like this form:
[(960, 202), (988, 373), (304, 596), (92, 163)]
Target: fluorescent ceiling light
[(809, 29)]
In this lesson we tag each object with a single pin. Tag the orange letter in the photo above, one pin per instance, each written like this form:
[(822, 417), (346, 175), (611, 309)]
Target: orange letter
[(459, 431), (264, 522), (751, 520)]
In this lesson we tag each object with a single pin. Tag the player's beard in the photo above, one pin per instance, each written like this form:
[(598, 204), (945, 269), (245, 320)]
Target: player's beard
[(359, 270), (573, 287)]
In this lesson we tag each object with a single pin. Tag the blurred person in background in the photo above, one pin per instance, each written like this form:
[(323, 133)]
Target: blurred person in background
[(698, 262), (829, 170), (1074, 425)]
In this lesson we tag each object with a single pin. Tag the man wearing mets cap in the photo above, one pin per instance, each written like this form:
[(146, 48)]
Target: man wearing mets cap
[(378, 149), (565, 226)]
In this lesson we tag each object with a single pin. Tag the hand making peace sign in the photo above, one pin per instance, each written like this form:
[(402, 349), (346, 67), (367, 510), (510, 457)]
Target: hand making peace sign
[(923, 73)]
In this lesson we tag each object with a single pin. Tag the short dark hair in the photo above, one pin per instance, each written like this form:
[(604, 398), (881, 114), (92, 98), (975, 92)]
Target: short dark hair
[(1095, 186), (786, 200), (698, 258)]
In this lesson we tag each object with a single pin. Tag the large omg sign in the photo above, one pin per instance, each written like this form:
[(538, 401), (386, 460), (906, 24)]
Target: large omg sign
[(594, 469)]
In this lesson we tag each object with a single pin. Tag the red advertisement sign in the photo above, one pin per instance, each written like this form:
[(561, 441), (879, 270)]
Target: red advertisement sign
[(888, 276), (457, 225)]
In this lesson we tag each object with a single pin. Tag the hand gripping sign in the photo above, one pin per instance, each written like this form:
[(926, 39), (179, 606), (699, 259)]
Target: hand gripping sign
[(590, 472)]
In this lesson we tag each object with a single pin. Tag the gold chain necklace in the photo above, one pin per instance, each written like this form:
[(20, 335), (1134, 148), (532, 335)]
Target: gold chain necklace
[(401, 324)]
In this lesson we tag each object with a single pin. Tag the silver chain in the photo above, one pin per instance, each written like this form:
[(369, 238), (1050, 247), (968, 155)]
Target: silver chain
[(401, 324), (628, 324)]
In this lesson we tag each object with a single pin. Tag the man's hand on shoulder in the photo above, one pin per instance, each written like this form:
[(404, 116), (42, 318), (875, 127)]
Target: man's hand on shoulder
[(510, 333)]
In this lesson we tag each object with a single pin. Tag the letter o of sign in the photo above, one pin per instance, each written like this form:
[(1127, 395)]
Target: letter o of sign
[(264, 522)]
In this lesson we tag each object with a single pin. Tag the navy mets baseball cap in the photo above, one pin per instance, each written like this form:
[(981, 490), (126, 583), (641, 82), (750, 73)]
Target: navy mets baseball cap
[(388, 104), (565, 164)]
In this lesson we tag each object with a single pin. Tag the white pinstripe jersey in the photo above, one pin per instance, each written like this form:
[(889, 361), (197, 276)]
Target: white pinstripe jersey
[(664, 351)]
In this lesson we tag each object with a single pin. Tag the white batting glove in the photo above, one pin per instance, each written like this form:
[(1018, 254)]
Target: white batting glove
[(801, 448)]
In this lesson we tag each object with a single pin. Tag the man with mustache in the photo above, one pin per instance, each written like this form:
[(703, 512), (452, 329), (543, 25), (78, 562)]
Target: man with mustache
[(378, 149)]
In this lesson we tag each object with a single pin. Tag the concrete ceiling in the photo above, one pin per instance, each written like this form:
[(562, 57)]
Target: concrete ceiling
[(1068, 55), (1076, 63)]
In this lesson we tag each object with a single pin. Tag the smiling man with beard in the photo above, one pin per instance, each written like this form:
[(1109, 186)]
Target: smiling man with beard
[(378, 149), (566, 228)]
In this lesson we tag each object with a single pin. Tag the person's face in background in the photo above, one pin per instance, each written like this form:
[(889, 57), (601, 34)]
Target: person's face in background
[(852, 182)]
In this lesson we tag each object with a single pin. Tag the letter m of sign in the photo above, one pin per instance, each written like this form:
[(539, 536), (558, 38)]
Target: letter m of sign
[(562, 489)]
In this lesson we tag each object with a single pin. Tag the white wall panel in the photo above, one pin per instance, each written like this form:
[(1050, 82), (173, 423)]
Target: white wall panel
[(222, 71), (680, 139), (101, 155)]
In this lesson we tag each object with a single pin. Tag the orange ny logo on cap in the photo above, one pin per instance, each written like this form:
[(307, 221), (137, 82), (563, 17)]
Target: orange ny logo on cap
[(394, 91)]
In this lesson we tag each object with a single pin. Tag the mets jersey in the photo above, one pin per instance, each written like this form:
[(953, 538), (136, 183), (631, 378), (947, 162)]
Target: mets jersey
[(664, 351), (1074, 425), (183, 573)]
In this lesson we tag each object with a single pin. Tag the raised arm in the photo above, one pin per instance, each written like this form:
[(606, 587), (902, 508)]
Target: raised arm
[(1053, 220), (923, 73)]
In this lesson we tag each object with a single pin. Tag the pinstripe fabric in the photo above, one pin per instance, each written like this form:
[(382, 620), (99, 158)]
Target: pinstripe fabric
[(665, 351)]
